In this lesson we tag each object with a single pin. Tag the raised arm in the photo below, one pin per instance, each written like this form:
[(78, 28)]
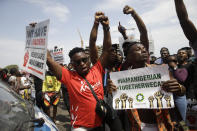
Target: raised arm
[(93, 38), (140, 24), (54, 66), (122, 30), (188, 27), (106, 41)]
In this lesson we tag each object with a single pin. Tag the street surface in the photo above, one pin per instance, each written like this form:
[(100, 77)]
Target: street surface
[(63, 117)]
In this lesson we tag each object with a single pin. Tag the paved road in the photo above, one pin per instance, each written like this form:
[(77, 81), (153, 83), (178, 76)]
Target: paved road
[(63, 117)]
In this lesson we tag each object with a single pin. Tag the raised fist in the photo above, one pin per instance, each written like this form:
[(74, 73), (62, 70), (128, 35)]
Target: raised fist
[(158, 95), (123, 99), (123, 96), (130, 100), (128, 10), (151, 99), (104, 21), (168, 99), (117, 100), (98, 16)]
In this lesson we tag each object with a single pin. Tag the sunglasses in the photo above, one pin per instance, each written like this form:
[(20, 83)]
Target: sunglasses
[(78, 62)]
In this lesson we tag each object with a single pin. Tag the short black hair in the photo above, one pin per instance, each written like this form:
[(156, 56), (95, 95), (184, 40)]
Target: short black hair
[(2, 72), (174, 55), (129, 43), (75, 50), (188, 49), (183, 49), (13, 71), (164, 48)]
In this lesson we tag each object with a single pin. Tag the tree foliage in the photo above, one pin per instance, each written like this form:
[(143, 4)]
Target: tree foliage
[(11, 66)]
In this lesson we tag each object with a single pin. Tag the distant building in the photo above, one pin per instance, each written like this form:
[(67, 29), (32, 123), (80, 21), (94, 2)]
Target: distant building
[(151, 47)]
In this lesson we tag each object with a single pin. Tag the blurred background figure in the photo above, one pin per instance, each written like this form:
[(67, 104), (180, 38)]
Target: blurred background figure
[(51, 93), (164, 52)]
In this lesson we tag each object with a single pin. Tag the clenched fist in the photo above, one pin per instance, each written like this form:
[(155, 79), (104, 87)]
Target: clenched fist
[(98, 16), (104, 21), (128, 10)]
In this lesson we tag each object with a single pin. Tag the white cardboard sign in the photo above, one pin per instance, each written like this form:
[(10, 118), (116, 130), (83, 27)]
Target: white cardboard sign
[(36, 49), (141, 88)]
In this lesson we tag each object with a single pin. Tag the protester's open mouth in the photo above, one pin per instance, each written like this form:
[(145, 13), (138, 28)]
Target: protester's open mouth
[(181, 57), (84, 68), (145, 55)]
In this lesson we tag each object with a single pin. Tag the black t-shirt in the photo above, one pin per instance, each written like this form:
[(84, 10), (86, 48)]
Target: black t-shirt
[(38, 84), (191, 81), (193, 85)]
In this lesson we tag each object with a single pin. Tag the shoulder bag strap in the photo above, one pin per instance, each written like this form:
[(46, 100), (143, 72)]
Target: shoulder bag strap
[(94, 94)]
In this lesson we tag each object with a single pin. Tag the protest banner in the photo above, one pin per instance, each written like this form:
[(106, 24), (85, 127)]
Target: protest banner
[(141, 88), (36, 49), (58, 54)]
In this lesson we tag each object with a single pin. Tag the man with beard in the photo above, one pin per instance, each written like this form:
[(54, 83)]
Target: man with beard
[(190, 32), (177, 66), (182, 57)]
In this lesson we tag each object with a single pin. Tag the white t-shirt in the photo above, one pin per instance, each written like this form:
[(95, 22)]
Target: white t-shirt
[(24, 83)]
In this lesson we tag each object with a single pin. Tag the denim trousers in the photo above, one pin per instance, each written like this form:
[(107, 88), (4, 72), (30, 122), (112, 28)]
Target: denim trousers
[(181, 104)]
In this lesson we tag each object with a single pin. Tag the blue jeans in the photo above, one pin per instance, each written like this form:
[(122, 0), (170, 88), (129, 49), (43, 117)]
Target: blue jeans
[(181, 104)]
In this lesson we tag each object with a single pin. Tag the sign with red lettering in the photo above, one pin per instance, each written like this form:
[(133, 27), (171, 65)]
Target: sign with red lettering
[(36, 49), (58, 54)]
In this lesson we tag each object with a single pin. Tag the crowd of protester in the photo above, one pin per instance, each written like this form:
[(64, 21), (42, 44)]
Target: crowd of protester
[(88, 70)]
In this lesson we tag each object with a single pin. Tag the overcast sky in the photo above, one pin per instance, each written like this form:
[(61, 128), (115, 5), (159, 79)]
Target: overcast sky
[(66, 16)]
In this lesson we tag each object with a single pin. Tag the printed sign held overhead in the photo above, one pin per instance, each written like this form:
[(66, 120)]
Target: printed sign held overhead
[(58, 54), (36, 49)]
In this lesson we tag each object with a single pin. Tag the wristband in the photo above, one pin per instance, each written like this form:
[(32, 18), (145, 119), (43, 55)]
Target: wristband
[(180, 86), (106, 28)]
